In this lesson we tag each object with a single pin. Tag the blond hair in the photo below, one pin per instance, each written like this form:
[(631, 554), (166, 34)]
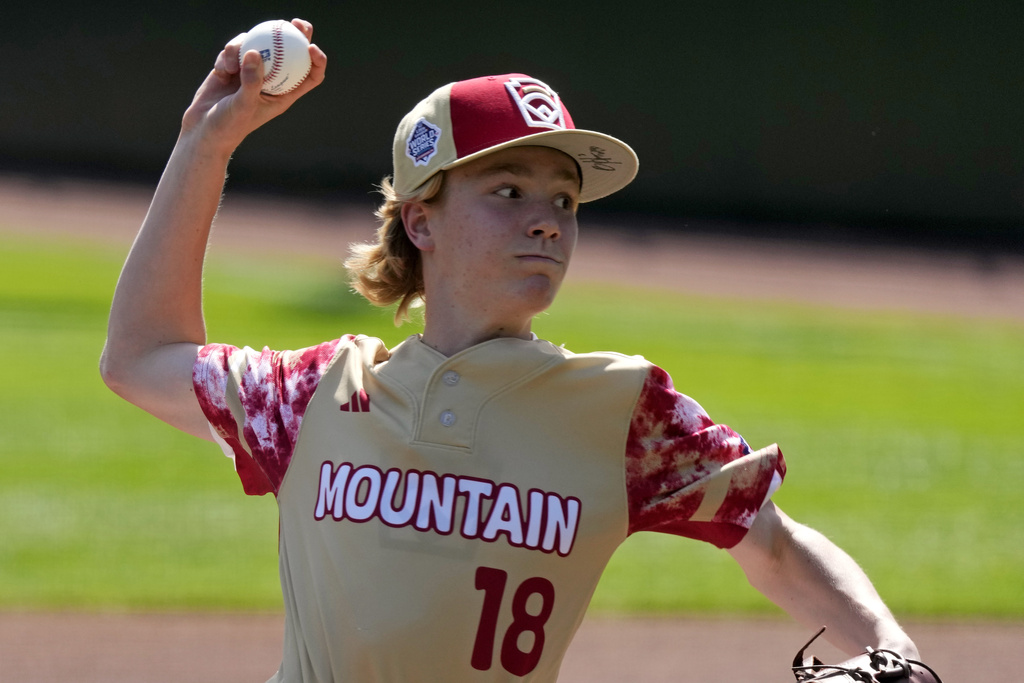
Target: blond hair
[(390, 270)]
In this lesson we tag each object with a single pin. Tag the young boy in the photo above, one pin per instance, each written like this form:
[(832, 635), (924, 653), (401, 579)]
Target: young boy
[(447, 506)]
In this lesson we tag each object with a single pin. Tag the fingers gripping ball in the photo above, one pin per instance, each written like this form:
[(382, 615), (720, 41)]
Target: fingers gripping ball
[(285, 54)]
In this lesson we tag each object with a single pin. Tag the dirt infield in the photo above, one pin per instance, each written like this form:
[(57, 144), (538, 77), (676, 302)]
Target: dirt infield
[(246, 648), (154, 648)]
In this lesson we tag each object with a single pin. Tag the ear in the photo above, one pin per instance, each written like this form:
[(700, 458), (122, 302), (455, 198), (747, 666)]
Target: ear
[(416, 219)]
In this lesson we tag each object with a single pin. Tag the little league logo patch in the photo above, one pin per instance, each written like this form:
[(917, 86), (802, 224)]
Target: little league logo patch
[(538, 103), (421, 145)]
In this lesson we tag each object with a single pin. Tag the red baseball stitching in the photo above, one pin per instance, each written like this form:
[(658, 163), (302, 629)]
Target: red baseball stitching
[(277, 53)]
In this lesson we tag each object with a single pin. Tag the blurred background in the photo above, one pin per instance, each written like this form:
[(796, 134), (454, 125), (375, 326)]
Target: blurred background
[(874, 120), (780, 145)]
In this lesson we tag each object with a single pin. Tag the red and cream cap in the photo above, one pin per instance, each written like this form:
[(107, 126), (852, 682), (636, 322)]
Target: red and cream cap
[(466, 120)]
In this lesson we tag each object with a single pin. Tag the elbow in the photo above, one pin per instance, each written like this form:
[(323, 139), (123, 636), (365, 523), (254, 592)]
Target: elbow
[(113, 371), (109, 370), (763, 552)]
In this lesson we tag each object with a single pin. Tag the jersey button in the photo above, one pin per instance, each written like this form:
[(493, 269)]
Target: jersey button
[(447, 418), (451, 378)]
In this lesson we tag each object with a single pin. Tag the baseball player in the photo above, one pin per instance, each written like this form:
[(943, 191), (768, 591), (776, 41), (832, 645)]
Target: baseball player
[(448, 505)]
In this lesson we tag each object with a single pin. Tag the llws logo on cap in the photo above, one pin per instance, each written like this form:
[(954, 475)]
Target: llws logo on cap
[(421, 146), (538, 103)]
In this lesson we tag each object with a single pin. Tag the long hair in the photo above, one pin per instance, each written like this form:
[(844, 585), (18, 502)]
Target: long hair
[(390, 270)]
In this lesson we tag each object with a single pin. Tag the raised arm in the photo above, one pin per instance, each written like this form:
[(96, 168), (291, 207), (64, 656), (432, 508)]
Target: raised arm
[(818, 584), (156, 324)]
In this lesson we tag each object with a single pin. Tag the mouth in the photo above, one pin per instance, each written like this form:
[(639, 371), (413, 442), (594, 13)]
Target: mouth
[(540, 258)]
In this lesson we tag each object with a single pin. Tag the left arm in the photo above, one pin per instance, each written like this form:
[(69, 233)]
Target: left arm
[(818, 584)]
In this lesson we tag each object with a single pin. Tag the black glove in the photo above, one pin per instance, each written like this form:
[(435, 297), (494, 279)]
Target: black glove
[(873, 666)]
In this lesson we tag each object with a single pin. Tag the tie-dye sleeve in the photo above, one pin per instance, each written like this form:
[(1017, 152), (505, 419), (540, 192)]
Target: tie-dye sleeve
[(255, 402), (688, 476)]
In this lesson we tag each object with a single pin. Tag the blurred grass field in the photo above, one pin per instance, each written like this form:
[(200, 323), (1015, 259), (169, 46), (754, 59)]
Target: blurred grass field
[(900, 432)]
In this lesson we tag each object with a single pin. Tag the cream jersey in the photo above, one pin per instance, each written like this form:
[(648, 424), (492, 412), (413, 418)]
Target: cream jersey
[(448, 519)]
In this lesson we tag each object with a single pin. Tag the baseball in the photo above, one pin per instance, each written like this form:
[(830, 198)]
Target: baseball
[(285, 54)]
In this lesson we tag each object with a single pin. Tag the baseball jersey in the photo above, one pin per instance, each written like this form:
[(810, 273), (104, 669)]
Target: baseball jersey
[(448, 518)]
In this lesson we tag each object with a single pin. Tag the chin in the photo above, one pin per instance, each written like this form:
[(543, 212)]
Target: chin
[(539, 293)]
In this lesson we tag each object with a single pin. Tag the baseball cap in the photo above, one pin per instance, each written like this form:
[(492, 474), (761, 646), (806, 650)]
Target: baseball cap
[(466, 120)]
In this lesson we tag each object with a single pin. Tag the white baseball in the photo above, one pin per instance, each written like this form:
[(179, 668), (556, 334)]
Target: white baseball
[(285, 54)]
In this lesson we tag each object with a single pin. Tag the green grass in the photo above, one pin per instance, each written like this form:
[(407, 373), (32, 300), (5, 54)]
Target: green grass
[(899, 430)]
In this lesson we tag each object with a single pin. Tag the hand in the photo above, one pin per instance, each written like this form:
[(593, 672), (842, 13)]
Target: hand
[(229, 104)]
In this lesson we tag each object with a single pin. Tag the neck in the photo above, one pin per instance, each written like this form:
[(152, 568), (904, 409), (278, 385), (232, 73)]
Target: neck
[(445, 334)]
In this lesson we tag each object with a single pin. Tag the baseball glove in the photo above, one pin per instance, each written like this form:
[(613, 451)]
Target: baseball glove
[(873, 666)]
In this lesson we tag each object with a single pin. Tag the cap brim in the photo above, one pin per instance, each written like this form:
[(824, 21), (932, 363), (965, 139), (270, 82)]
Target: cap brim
[(607, 164)]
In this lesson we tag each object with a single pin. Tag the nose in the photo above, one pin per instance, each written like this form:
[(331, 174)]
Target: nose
[(543, 224)]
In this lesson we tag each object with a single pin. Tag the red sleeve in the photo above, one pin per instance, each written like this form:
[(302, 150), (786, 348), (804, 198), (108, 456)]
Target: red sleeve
[(255, 402), (688, 476)]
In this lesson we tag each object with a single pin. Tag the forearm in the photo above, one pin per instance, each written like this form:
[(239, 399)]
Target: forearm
[(158, 299), (818, 584), (156, 320)]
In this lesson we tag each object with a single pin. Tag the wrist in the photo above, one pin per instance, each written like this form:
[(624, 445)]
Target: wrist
[(902, 644), (203, 145)]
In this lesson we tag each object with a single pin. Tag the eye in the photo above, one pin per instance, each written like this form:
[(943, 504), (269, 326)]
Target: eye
[(565, 202), (509, 192)]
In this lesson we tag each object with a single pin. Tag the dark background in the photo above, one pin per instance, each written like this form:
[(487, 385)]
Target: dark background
[(862, 120)]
